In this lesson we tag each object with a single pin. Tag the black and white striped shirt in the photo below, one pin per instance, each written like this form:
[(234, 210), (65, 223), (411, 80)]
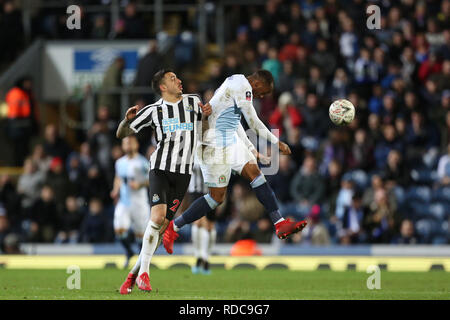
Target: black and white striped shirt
[(178, 128)]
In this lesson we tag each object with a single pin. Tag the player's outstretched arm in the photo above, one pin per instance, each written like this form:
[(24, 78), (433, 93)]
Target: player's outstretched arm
[(124, 129), (260, 129)]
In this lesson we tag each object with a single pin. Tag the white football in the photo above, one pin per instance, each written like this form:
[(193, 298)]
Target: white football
[(342, 112)]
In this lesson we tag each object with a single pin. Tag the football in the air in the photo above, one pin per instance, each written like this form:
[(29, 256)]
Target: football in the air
[(342, 112)]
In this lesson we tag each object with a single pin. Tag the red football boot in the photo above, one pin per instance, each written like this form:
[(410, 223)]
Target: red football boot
[(128, 285), (143, 282), (169, 238), (287, 227)]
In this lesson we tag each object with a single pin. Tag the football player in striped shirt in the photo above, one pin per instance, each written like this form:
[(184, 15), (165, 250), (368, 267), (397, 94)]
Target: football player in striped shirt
[(176, 120)]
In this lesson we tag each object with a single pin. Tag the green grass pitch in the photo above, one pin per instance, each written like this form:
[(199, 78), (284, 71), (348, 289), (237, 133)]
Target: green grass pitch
[(179, 284)]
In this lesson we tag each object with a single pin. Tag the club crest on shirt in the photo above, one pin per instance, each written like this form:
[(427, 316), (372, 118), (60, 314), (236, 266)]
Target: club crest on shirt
[(222, 179), (155, 198), (248, 96), (189, 107)]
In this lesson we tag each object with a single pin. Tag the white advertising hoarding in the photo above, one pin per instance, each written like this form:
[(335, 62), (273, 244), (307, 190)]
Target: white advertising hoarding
[(69, 67)]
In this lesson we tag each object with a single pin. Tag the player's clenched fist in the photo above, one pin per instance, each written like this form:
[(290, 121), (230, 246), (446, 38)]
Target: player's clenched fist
[(206, 108), (284, 148), (131, 113)]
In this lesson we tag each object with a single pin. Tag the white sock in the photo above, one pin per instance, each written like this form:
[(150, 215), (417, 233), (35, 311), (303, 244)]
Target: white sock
[(136, 266), (149, 245), (212, 240), (204, 243), (195, 235), (282, 219)]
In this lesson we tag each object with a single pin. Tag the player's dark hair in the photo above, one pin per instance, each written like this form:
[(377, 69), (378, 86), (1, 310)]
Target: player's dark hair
[(157, 79), (265, 76)]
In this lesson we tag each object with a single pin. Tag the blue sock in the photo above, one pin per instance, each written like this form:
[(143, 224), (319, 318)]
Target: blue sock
[(266, 196), (198, 209)]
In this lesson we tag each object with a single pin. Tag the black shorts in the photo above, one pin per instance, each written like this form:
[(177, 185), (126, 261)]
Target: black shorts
[(211, 215), (168, 188)]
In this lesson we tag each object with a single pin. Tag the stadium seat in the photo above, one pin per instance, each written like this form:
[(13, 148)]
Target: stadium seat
[(419, 209), (423, 176), (360, 178), (419, 194), (427, 229), (441, 195), (400, 195), (438, 210)]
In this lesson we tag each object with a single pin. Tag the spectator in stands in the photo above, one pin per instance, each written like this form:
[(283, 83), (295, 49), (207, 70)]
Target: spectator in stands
[(340, 85), (11, 27), (249, 63), (100, 28), (324, 59), (40, 159), (316, 82), (112, 79), (29, 185), (293, 139), (316, 233), (377, 184), (4, 227), (344, 196), (422, 140), (54, 145), (388, 143), (10, 199), (57, 179), (307, 187), (286, 115), (313, 114), (361, 154), (94, 185), (288, 52), (272, 64), (86, 158), (75, 172), (231, 67), (148, 65), (240, 45), (101, 138), (245, 209), (287, 77), (280, 182), (332, 185), (131, 25), (351, 229), (396, 172), (382, 219), (21, 118), (263, 232), (429, 66), (334, 149), (443, 169), (302, 63), (43, 217), (256, 30), (69, 222), (407, 234), (94, 228)]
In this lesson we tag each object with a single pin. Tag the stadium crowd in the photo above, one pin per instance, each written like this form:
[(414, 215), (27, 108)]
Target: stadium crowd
[(383, 179)]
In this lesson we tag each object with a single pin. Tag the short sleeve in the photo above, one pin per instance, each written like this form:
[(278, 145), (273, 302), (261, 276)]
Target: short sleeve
[(144, 118)]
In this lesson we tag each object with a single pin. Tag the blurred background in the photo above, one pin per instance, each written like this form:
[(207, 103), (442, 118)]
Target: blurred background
[(390, 167)]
